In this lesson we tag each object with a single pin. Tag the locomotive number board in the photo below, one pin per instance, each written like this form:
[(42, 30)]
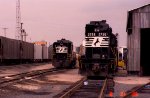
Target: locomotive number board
[(98, 34)]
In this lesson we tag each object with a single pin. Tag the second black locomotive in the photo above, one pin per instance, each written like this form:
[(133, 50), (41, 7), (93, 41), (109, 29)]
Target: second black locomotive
[(63, 55)]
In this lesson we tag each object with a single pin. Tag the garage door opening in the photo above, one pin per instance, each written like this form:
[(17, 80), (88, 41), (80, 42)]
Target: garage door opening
[(145, 52)]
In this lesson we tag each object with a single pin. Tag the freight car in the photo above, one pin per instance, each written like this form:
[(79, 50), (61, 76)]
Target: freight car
[(14, 51), (37, 53), (41, 53), (45, 54), (100, 44), (9, 50), (26, 52), (63, 55)]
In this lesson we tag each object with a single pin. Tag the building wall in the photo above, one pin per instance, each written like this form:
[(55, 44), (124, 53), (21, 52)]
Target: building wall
[(140, 19)]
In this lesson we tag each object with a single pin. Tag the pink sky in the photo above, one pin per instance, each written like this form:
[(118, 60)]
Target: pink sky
[(53, 19)]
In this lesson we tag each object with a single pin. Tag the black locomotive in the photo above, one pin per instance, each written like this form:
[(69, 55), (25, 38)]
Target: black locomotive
[(100, 49), (63, 55)]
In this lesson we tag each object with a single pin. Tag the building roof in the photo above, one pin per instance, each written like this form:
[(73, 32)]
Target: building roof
[(139, 8), (129, 18)]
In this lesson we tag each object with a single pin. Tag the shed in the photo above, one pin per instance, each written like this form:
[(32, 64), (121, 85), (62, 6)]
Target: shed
[(138, 30)]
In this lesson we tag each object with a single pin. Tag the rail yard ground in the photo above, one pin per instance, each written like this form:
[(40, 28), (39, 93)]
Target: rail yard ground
[(45, 86), (49, 85), (16, 69)]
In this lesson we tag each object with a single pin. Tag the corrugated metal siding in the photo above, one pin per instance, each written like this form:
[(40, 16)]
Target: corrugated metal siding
[(16, 49), (28, 50), (45, 52), (37, 52), (141, 19), (9, 48)]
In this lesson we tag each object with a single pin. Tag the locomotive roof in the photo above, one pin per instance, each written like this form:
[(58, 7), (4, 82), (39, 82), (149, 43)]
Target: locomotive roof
[(63, 40), (101, 25), (98, 22)]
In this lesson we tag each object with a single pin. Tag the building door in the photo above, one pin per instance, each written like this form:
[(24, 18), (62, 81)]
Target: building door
[(145, 51)]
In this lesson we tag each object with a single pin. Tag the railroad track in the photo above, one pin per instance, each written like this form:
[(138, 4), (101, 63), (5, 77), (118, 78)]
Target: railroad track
[(87, 88), (25, 76), (143, 90)]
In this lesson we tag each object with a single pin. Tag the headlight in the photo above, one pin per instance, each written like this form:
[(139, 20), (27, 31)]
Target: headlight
[(103, 56)]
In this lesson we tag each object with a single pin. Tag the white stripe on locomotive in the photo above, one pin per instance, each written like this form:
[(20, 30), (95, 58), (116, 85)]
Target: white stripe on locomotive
[(61, 49), (96, 42)]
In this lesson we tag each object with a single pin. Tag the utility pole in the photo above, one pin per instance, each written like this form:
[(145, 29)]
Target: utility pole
[(18, 20), (23, 33), (20, 32), (5, 31), (25, 36)]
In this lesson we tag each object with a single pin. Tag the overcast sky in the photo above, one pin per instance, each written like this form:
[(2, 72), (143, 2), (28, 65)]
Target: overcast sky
[(51, 20)]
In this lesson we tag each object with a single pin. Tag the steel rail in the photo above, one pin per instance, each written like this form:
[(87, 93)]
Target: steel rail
[(79, 84), (73, 89), (134, 90), (103, 89), (24, 73), (26, 76)]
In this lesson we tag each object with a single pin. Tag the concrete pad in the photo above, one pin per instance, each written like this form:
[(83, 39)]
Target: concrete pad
[(123, 84)]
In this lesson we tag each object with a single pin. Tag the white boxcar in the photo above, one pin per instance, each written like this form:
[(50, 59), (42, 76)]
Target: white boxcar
[(45, 53), (37, 52)]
